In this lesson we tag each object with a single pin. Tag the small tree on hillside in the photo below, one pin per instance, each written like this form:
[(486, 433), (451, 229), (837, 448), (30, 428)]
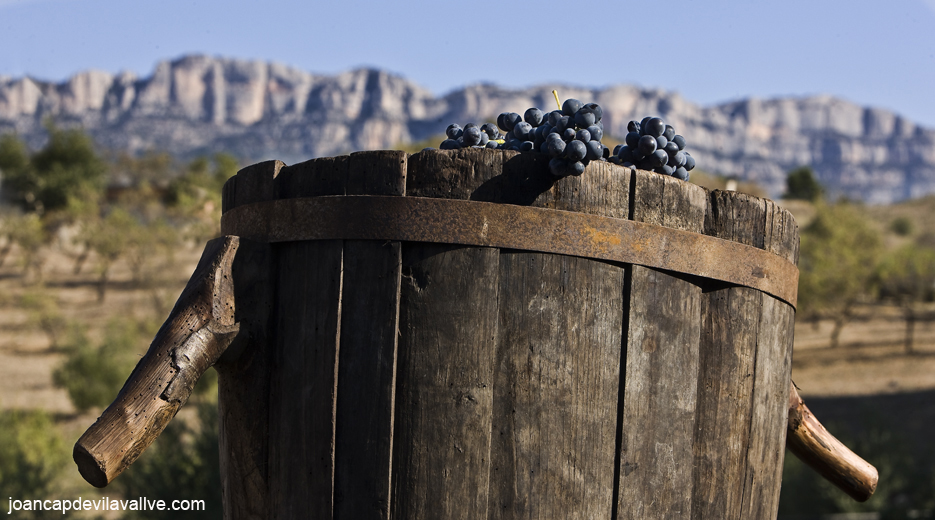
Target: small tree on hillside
[(837, 265), (801, 184), (907, 278)]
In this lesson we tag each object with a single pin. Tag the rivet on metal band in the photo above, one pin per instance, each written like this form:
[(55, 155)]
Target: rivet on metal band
[(464, 222)]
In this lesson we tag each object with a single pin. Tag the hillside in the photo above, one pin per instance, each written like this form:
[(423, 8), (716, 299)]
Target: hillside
[(258, 110)]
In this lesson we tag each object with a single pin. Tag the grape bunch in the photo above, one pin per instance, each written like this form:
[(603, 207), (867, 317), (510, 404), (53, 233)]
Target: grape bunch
[(651, 144), (571, 136)]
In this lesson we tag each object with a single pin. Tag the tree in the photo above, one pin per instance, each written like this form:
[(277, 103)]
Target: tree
[(32, 455), (801, 184), (67, 168), (109, 238), (838, 259), (907, 278)]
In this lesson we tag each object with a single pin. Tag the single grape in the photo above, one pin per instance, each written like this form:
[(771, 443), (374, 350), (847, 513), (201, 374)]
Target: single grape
[(598, 111), (583, 135), (660, 157), (680, 159), (449, 144), (613, 159), (491, 130), (681, 173), (597, 133), (668, 170), (577, 168), (570, 106), (671, 148), (679, 140), (522, 130), (605, 153), (527, 146), (559, 167), (510, 120), (661, 142), (585, 117), (554, 117), (493, 145), (655, 127), (625, 153), (453, 131), (565, 122), (533, 116), (689, 161), (617, 148), (471, 135), (569, 134), (575, 150), (669, 132), (633, 126), (555, 146), (647, 144), (484, 138), (595, 150)]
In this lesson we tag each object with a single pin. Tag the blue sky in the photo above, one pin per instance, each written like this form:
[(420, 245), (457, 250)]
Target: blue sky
[(872, 53)]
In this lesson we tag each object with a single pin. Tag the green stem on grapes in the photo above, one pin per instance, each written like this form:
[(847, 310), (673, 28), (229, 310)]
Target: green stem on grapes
[(555, 93)]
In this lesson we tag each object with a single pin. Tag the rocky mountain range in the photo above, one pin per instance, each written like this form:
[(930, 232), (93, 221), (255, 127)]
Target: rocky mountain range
[(258, 110)]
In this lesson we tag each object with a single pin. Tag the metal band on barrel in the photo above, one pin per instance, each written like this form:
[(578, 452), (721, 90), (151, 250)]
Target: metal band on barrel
[(471, 223)]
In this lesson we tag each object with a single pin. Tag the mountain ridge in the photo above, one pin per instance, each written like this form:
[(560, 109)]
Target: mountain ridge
[(260, 110)]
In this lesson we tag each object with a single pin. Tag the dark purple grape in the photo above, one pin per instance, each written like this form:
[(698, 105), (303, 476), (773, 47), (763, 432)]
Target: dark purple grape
[(655, 127), (680, 159), (556, 146), (659, 158), (565, 122), (633, 140), (491, 130), (471, 135), (605, 153), (595, 150), (510, 120), (583, 135), (577, 167), (449, 144), (681, 173), (613, 159), (569, 134), (453, 131), (668, 170), (575, 150), (598, 111), (597, 133), (669, 132), (484, 138), (689, 161), (671, 148), (493, 144), (554, 117), (625, 153), (617, 148), (571, 106), (533, 116), (679, 140), (522, 130), (661, 142), (633, 126), (647, 144), (585, 117), (527, 146)]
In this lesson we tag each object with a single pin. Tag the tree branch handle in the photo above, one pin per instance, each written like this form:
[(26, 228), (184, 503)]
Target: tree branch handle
[(197, 332), (813, 445)]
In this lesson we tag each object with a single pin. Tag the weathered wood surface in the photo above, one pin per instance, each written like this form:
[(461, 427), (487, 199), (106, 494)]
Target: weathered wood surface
[(448, 335), (197, 332), (660, 384), (368, 342), (731, 344), (812, 443), (304, 368)]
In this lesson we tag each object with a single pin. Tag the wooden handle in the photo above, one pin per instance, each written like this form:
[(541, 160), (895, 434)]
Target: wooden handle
[(198, 330), (813, 445)]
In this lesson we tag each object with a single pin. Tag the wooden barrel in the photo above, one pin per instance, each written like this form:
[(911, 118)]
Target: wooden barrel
[(411, 379)]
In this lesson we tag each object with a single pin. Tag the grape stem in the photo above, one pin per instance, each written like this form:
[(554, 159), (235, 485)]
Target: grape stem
[(555, 93)]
